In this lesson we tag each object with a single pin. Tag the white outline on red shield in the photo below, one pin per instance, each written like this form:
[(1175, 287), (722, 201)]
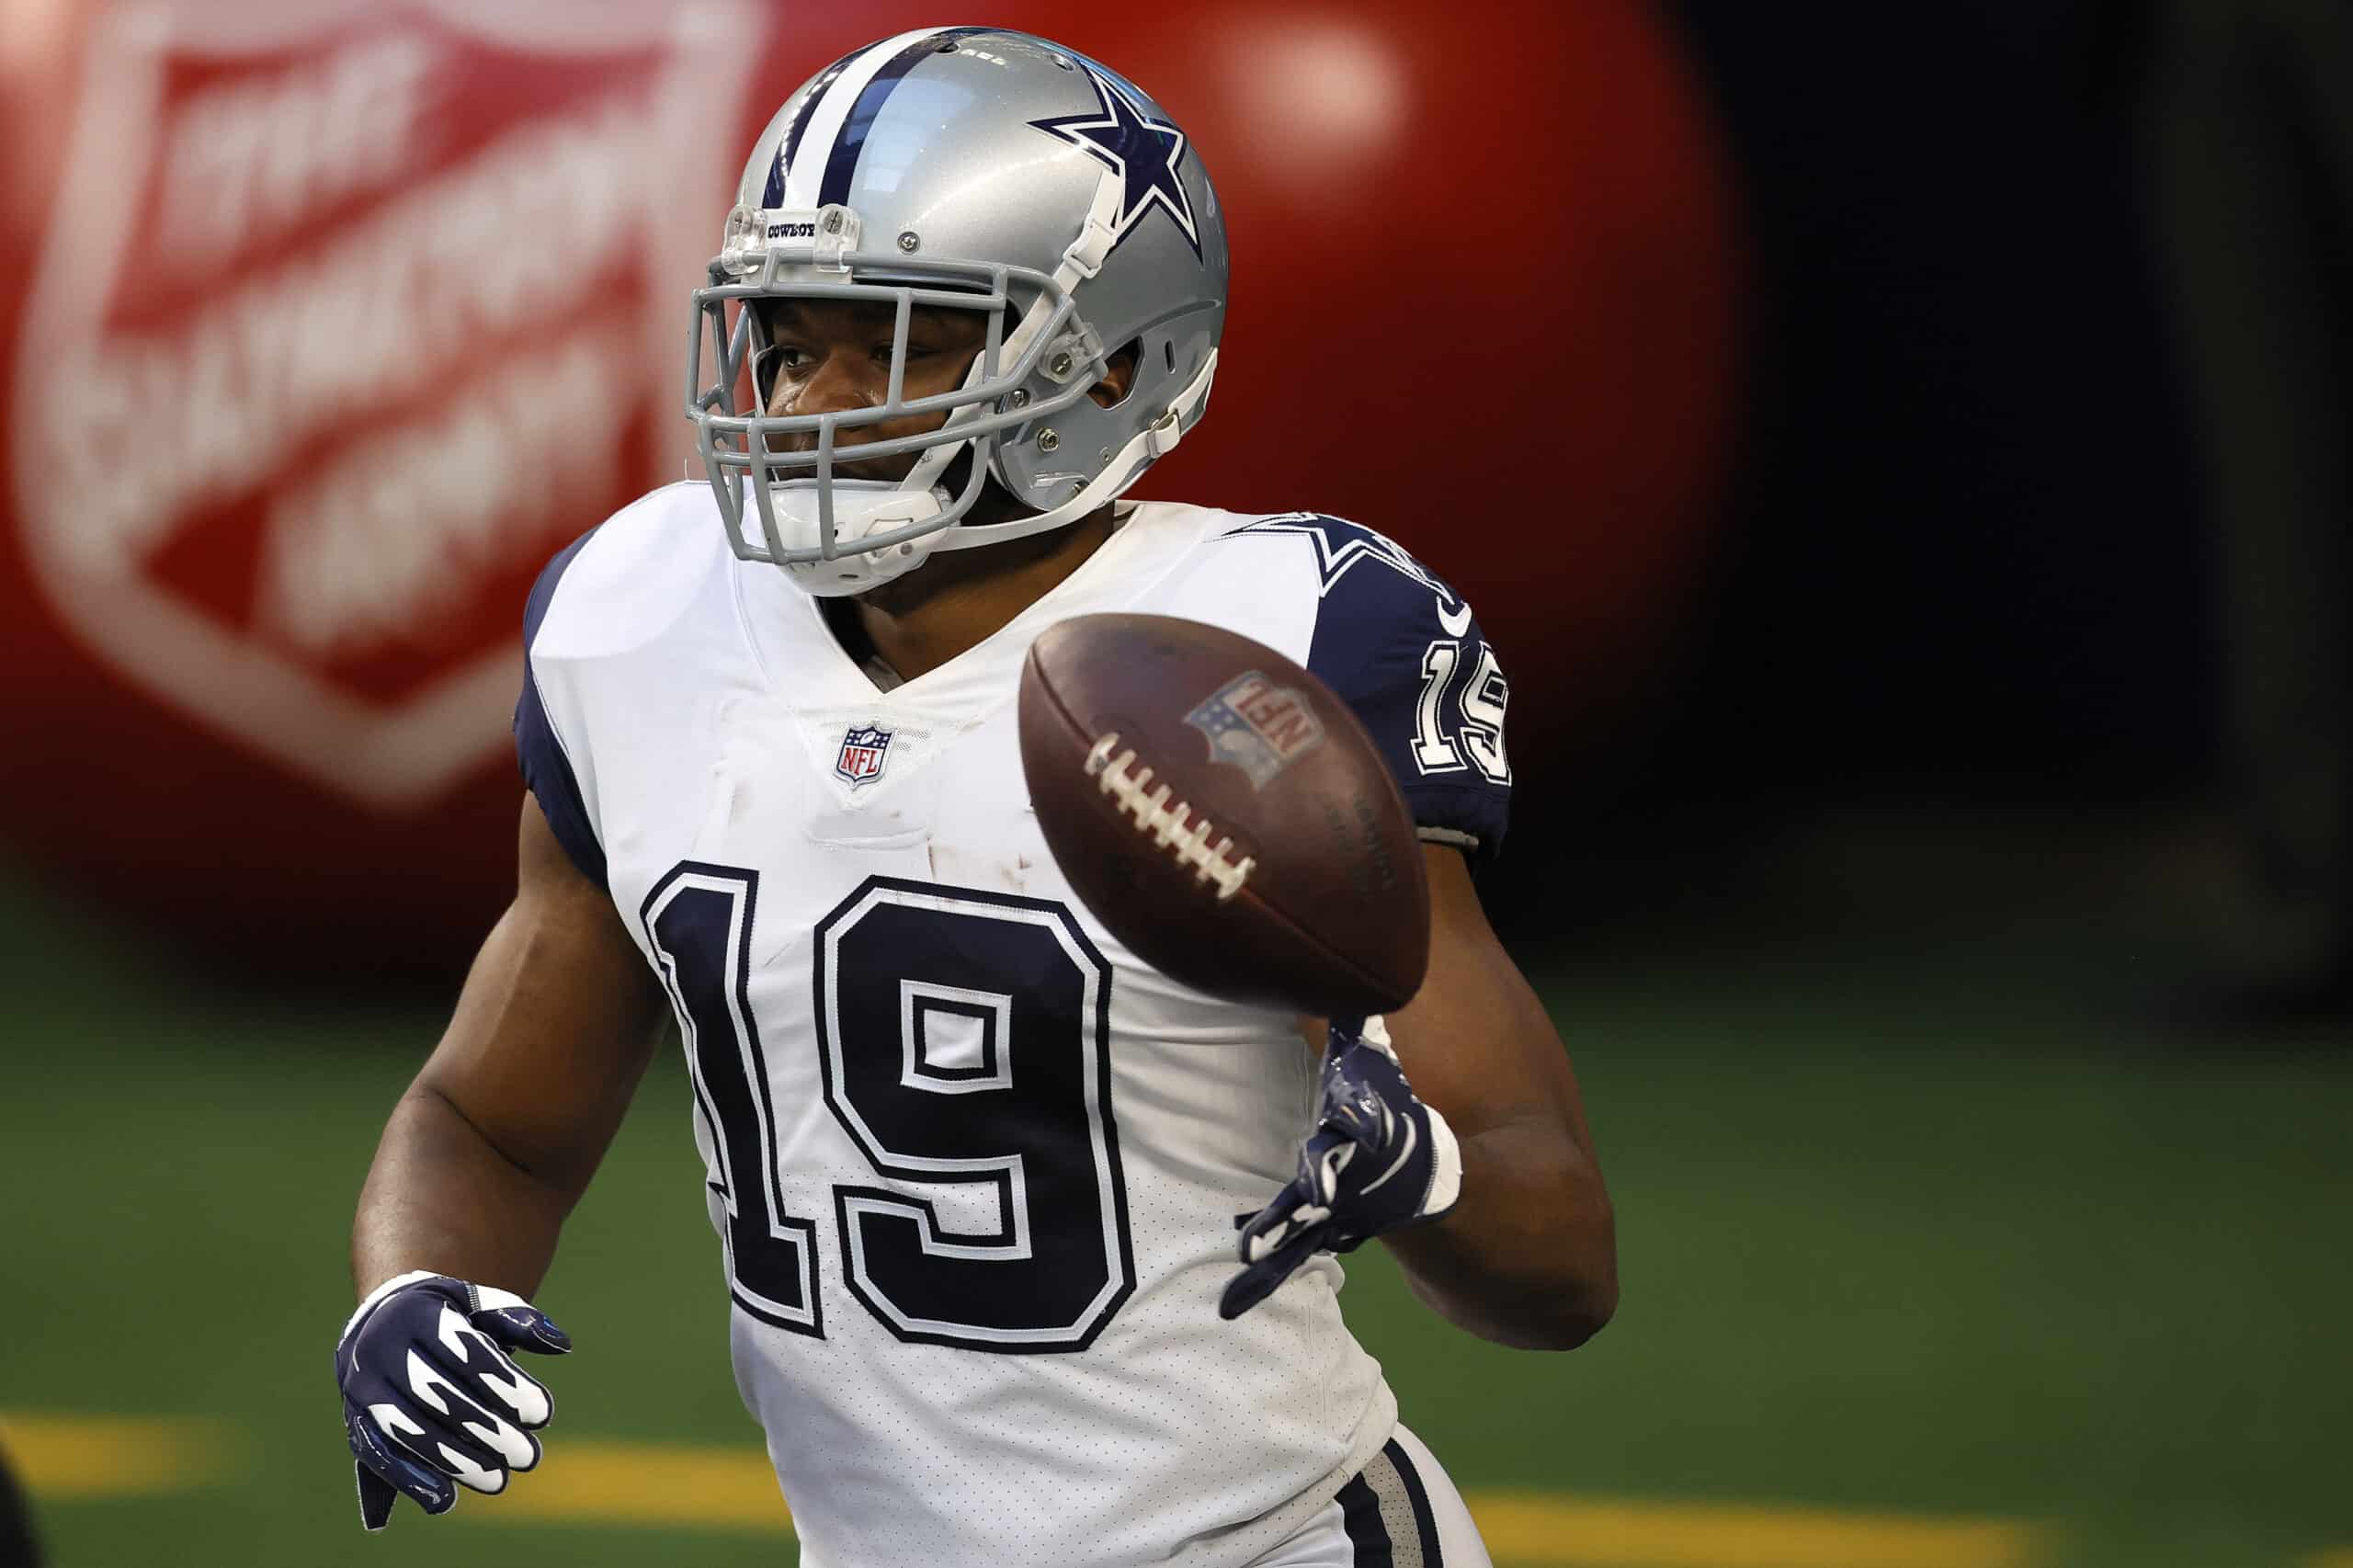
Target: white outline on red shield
[(391, 757)]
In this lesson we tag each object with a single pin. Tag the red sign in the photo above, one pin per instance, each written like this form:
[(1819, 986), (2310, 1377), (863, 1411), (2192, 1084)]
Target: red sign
[(337, 333), (322, 323)]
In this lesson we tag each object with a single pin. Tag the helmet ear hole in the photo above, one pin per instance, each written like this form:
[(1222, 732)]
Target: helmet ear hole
[(1118, 381), (1168, 353)]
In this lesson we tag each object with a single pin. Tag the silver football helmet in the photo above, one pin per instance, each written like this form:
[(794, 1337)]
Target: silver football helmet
[(977, 169)]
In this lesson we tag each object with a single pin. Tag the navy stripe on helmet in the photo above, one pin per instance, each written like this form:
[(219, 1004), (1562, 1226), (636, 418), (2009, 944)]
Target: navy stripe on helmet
[(789, 147), (786, 149), (843, 162)]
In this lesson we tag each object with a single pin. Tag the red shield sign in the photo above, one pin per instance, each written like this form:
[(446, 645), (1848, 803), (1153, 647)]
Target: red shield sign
[(338, 330)]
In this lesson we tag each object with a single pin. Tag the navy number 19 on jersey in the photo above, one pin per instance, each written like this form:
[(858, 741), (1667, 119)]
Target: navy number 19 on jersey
[(964, 1042)]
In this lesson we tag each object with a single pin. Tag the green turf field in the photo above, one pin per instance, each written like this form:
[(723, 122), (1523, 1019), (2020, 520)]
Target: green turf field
[(1912, 1223)]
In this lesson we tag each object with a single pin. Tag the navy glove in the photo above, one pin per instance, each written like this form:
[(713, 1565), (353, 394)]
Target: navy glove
[(430, 1398), (1377, 1159)]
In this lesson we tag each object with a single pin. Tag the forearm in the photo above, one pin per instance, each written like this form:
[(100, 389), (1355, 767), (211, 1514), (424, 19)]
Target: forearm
[(1529, 1256), (442, 1197)]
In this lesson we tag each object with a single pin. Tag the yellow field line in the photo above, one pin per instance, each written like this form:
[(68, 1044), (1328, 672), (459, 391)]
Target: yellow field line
[(639, 1483), (734, 1488), (2330, 1557), (68, 1457), (73, 1457), (1540, 1530)]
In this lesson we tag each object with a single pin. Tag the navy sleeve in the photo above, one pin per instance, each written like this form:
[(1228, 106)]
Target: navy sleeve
[(547, 767), (1406, 653)]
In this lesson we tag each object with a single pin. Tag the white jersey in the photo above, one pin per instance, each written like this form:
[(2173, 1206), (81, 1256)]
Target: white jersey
[(975, 1166)]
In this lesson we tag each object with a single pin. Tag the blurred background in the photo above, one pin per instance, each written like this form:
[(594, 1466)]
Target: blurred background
[(1899, 453)]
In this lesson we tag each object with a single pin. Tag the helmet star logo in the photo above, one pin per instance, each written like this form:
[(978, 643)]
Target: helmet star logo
[(1140, 151)]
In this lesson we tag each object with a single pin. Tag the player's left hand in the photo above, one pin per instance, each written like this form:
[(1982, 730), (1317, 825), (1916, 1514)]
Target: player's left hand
[(1376, 1160)]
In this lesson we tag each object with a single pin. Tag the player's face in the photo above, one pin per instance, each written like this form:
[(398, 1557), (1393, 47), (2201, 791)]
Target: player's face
[(833, 356)]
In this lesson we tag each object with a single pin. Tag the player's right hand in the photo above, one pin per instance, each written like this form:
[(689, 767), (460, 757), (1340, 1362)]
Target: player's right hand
[(430, 1397)]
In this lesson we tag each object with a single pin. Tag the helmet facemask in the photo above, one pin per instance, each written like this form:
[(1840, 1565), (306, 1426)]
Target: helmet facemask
[(999, 172), (841, 534)]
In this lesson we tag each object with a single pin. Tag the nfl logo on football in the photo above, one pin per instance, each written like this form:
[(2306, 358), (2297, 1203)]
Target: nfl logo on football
[(862, 752), (1258, 726)]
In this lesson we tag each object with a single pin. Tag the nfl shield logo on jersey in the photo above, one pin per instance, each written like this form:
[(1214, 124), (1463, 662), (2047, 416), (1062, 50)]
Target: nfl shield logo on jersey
[(862, 751)]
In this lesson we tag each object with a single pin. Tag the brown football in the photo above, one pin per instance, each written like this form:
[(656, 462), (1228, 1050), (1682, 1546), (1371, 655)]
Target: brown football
[(1223, 812)]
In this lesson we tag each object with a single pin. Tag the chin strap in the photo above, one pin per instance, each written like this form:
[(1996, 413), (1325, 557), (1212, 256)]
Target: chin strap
[(1081, 260), (1147, 447)]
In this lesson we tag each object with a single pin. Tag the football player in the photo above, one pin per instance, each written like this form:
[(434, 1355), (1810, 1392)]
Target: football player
[(975, 1168)]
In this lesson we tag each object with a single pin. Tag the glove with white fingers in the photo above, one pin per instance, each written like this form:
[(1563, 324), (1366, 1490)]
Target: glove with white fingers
[(1377, 1160), (431, 1398)]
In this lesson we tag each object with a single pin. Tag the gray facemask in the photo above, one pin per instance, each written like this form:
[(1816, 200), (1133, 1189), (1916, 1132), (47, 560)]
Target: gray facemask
[(961, 168)]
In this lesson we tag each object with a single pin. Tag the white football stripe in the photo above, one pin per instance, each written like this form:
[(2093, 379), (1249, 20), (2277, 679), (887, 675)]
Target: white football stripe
[(804, 176)]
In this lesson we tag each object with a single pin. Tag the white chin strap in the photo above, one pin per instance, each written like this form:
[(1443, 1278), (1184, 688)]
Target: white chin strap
[(862, 508), (1145, 448)]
